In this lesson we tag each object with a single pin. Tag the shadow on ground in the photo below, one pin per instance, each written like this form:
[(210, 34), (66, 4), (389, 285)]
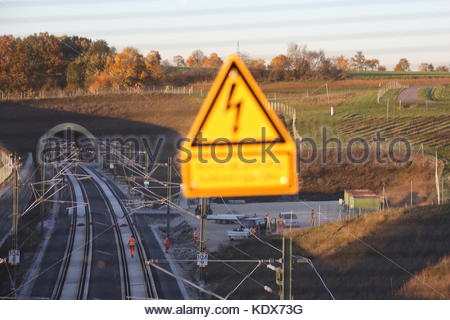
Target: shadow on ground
[(22, 125), (378, 265)]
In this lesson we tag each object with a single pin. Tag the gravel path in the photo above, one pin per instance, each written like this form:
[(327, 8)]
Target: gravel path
[(411, 95)]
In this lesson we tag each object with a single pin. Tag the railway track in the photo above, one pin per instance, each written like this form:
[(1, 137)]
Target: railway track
[(137, 280), (96, 262), (74, 274)]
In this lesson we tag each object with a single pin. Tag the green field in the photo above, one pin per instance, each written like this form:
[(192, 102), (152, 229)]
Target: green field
[(438, 94), (358, 114)]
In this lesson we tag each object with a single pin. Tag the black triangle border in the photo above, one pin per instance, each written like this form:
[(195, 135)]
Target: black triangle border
[(278, 140)]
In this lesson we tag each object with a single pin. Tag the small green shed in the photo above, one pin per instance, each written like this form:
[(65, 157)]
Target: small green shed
[(348, 192), (362, 199)]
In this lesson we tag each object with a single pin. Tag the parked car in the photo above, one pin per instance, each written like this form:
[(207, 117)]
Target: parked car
[(239, 233), (290, 219), (253, 222)]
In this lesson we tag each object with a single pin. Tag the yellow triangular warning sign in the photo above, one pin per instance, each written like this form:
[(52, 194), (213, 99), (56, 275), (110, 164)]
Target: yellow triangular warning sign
[(236, 111), (237, 145)]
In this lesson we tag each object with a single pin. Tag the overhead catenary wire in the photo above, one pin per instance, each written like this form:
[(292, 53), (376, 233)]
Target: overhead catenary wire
[(320, 278), (185, 281), (391, 260), (255, 236), (68, 162), (64, 166), (310, 263), (240, 272), (242, 281), (167, 201), (58, 261)]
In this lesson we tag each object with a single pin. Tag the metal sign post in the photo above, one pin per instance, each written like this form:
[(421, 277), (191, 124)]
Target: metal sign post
[(202, 244)]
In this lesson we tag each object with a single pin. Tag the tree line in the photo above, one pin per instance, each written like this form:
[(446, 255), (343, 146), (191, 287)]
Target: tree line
[(43, 61)]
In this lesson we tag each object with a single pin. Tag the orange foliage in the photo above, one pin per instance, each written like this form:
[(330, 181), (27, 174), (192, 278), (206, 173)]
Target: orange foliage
[(153, 65), (213, 61), (342, 63), (196, 59), (102, 81), (127, 69)]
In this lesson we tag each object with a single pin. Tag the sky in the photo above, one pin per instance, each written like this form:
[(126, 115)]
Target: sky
[(388, 30)]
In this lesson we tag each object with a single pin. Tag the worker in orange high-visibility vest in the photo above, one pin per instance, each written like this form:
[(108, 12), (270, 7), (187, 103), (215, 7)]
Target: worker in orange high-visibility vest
[(280, 224), (166, 244), (195, 238), (132, 243), (253, 231)]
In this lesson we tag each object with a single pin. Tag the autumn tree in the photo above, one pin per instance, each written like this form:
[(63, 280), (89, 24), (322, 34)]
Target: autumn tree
[(154, 68), (278, 67), (74, 46), (381, 68), (103, 80), (13, 65), (358, 61), (426, 67), (342, 63), (316, 60), (76, 74), (245, 57), (258, 64), (329, 70), (423, 67), (299, 65), (257, 67), (127, 69), (402, 65), (96, 57), (46, 62), (213, 61), (441, 68), (85, 69), (196, 59), (179, 61), (166, 63), (371, 64), (308, 64)]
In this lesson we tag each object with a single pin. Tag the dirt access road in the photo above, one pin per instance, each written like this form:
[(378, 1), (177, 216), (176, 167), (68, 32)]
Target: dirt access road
[(411, 94)]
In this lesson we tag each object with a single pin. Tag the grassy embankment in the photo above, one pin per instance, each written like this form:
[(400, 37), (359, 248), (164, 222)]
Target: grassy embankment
[(395, 254), (438, 94), (357, 113)]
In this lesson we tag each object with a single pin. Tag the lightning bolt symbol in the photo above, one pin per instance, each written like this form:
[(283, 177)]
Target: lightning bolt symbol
[(234, 105)]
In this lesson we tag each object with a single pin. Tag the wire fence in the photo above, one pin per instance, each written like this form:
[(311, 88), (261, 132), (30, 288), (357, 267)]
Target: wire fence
[(388, 86), (65, 93)]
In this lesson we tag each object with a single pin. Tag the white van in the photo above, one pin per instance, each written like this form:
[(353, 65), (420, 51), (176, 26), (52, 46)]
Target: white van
[(290, 219)]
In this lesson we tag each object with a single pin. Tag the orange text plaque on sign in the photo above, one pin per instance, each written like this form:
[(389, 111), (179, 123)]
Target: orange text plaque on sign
[(237, 145)]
